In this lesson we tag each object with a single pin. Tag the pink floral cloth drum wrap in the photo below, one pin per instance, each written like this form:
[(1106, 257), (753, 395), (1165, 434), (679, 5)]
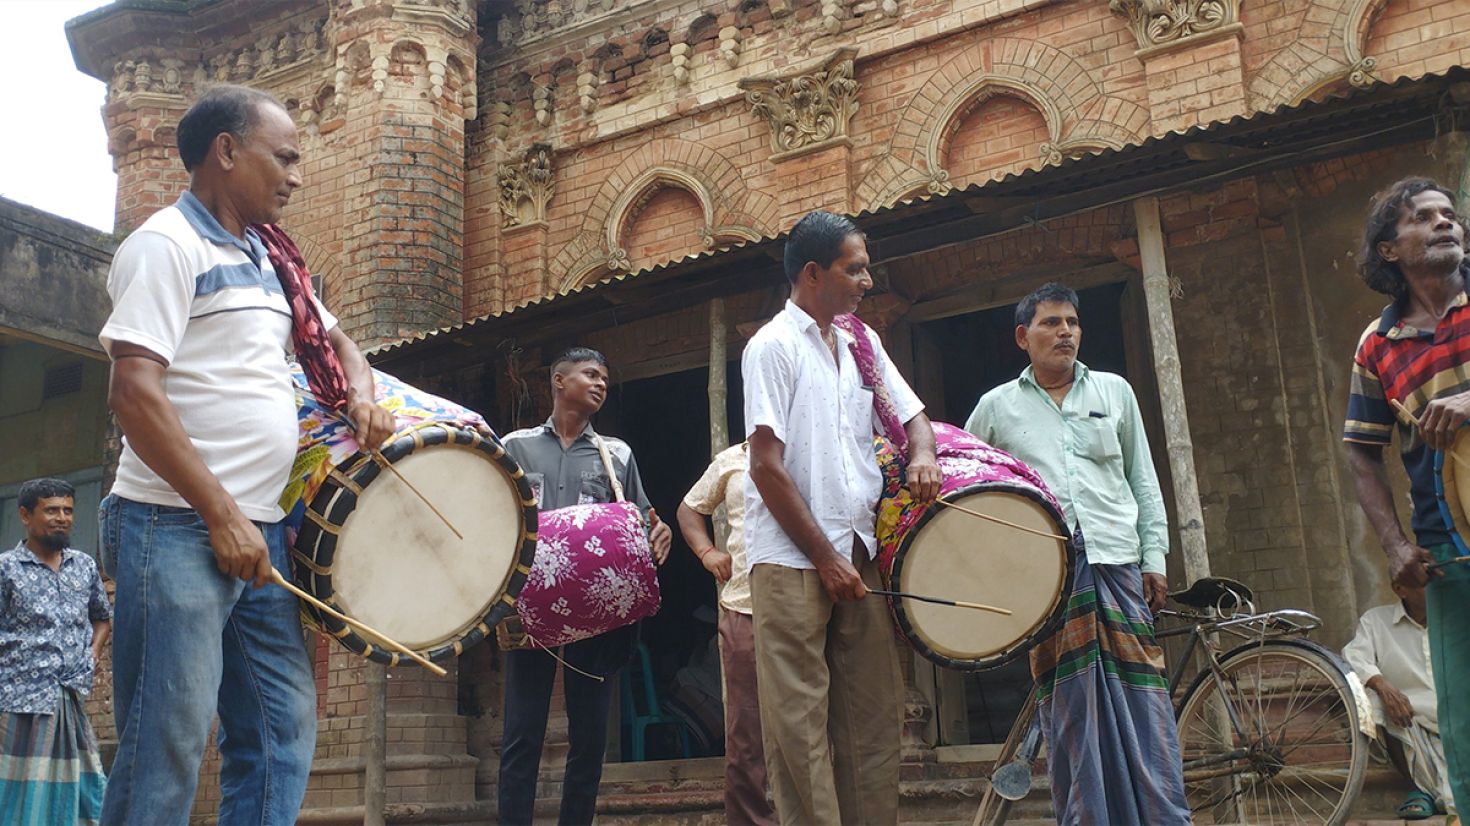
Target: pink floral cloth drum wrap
[(593, 573), (964, 460)]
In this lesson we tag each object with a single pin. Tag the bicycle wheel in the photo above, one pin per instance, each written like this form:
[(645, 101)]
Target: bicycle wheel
[(994, 809), (1294, 754)]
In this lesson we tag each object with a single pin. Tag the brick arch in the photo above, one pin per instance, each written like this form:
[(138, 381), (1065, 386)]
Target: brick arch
[(936, 150), (735, 212), (408, 63), (701, 27), (1315, 61), (580, 261), (1059, 86), (659, 223), (626, 207)]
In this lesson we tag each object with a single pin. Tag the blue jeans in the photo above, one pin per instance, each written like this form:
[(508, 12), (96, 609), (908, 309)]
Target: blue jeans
[(189, 641)]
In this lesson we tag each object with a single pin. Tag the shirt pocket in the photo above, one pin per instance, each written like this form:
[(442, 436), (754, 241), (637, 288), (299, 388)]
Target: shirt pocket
[(1102, 440), (594, 489)]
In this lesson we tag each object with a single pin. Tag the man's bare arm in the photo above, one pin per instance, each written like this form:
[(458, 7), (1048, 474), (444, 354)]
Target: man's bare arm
[(695, 528), (101, 632), (924, 476), (1406, 561), (374, 423), (783, 500), (150, 422)]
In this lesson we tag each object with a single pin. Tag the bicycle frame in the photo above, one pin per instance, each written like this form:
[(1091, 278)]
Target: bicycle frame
[(1204, 630), (1234, 617)]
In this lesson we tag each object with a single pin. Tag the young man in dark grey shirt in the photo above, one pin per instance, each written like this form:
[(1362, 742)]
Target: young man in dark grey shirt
[(564, 467)]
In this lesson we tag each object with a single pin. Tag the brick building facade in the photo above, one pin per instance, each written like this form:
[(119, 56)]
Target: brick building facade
[(488, 181)]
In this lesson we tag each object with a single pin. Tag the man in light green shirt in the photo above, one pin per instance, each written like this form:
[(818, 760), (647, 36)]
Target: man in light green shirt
[(1081, 430), (1102, 698)]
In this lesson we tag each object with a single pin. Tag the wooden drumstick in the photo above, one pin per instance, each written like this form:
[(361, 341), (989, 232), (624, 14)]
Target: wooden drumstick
[(1399, 406), (388, 466), (1464, 465), (940, 601), (387, 641), (1437, 565), (997, 520), (382, 462)]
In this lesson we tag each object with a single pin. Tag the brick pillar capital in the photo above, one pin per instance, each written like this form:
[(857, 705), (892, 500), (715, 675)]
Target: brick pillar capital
[(1164, 25), (809, 109)]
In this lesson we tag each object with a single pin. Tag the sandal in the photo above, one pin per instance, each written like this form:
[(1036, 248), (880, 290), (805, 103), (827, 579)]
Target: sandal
[(1417, 806)]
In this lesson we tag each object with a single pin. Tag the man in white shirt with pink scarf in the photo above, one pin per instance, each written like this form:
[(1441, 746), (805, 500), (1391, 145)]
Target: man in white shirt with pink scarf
[(826, 660)]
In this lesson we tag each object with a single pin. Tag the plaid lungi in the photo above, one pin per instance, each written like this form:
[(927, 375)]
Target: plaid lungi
[(50, 769), (1103, 701)]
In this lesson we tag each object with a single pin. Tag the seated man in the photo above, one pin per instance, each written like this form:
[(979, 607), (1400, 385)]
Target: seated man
[(1390, 654)]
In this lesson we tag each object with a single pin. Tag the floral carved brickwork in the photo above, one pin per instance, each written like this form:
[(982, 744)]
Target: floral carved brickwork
[(525, 187), (1161, 25), (809, 110)]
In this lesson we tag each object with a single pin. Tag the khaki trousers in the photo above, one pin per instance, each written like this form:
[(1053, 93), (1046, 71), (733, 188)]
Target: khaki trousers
[(830, 694)]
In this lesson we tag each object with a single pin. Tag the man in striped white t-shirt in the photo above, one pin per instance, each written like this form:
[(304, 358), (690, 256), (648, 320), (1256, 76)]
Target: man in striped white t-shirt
[(199, 336)]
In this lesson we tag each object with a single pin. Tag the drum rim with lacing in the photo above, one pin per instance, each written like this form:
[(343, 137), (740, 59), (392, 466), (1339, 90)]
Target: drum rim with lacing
[(892, 577), (334, 502)]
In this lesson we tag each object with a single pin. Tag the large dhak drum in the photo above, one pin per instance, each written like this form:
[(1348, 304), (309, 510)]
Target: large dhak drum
[(945, 552), (593, 573), (369, 546)]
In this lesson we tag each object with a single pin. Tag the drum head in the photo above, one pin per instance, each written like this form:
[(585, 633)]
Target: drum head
[(400, 569), (956, 555)]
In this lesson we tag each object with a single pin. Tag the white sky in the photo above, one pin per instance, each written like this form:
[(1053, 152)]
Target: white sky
[(53, 147)]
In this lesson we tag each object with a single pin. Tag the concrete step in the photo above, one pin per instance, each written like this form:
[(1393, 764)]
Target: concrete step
[(690, 793)]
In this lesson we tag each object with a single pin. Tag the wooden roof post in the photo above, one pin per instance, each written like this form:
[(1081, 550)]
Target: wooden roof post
[(719, 426), (375, 746), (1180, 447)]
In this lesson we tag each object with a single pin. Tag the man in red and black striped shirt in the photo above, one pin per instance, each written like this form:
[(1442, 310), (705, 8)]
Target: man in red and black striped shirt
[(1417, 354)]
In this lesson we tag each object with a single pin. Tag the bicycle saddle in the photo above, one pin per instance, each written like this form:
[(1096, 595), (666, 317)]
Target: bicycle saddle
[(1209, 591)]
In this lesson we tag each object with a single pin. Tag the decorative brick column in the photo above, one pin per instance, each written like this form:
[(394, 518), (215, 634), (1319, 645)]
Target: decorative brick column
[(147, 94), (1191, 55), (525, 188), (406, 75)]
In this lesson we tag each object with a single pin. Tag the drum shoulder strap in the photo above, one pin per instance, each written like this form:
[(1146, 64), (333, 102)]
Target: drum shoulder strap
[(612, 474)]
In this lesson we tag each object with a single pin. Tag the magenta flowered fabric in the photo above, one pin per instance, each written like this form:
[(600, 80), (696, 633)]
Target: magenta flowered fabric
[(964, 460), (593, 573), (867, 365)]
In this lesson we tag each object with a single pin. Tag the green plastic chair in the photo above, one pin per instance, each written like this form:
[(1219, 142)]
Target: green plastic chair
[(636, 723)]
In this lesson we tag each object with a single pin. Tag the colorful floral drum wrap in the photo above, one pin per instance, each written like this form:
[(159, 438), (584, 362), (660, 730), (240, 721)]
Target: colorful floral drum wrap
[(1011, 549), (429, 544), (593, 573), (326, 440)]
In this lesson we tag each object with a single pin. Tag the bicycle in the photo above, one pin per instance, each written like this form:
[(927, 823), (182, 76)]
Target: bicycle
[(1270, 731)]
